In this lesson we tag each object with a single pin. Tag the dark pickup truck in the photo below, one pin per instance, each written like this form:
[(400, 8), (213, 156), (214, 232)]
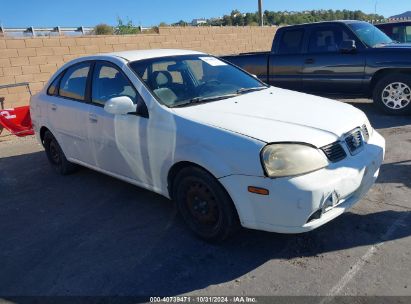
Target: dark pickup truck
[(351, 59)]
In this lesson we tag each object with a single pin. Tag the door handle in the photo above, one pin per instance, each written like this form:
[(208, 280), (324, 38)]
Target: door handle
[(53, 107), (309, 61), (93, 118)]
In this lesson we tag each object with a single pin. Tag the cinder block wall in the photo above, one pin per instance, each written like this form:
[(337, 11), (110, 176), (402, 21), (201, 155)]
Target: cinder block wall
[(34, 60)]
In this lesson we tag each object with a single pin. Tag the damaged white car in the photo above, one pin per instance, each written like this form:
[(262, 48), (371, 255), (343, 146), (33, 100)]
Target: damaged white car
[(227, 148)]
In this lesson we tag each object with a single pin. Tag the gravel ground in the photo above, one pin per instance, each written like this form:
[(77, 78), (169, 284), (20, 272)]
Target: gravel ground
[(89, 234)]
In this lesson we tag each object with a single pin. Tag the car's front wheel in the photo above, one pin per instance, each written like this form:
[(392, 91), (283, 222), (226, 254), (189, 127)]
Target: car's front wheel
[(204, 204), (56, 155), (392, 94)]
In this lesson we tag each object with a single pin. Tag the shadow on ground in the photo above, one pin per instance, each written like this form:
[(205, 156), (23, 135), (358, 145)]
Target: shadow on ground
[(378, 119), (89, 234)]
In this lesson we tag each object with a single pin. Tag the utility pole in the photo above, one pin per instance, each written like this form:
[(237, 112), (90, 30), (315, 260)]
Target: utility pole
[(260, 12)]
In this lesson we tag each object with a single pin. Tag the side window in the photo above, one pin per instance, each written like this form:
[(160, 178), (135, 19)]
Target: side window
[(109, 82), (74, 82), (53, 88), (291, 42), (408, 33), (326, 40)]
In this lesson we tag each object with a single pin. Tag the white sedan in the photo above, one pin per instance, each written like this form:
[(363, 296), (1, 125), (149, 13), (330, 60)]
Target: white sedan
[(227, 148)]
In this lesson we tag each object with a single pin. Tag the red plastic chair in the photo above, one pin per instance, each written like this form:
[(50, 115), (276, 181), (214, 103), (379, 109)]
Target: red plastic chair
[(17, 121)]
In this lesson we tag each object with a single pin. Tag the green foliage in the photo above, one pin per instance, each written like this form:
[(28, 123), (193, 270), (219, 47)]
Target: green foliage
[(236, 18), (162, 24), (180, 23), (126, 28), (103, 29)]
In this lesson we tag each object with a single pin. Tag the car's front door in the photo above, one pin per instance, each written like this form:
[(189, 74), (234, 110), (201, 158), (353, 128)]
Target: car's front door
[(118, 142), (326, 69), (68, 110)]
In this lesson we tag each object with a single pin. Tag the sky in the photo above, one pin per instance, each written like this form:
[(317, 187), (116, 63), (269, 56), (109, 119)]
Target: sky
[(47, 13)]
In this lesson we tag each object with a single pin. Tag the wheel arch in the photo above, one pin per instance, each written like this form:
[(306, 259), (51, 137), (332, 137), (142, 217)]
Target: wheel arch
[(380, 74), (43, 131), (177, 167)]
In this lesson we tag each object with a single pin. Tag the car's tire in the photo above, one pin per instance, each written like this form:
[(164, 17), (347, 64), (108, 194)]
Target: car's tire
[(56, 155), (204, 205), (392, 94)]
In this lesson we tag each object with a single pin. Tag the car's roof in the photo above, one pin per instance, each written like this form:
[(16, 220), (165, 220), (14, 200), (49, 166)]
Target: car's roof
[(325, 22), (153, 53)]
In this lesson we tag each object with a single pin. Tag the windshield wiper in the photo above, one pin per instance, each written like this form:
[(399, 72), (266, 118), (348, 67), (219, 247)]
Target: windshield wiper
[(247, 90), (197, 100)]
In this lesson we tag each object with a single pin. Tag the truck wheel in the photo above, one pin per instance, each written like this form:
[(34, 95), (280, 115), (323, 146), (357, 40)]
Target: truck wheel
[(204, 205), (392, 94), (56, 156)]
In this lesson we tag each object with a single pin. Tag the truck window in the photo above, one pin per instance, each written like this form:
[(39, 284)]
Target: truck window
[(291, 42), (326, 40)]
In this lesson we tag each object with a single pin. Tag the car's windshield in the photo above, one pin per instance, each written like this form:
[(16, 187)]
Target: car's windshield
[(191, 79), (369, 34)]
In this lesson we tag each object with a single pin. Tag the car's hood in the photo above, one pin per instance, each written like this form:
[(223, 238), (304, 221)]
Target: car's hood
[(278, 115)]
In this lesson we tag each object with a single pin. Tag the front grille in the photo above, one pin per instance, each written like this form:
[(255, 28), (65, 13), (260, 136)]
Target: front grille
[(354, 141), (335, 152), (365, 133)]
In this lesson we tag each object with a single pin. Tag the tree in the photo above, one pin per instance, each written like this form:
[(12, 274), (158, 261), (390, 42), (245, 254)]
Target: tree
[(103, 29)]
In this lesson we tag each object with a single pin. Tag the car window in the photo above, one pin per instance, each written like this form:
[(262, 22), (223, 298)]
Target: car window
[(108, 82), (73, 84), (291, 42), (178, 80), (53, 88), (176, 76), (326, 40), (401, 33)]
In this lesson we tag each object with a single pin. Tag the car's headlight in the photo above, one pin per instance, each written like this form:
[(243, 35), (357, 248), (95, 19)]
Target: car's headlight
[(282, 160)]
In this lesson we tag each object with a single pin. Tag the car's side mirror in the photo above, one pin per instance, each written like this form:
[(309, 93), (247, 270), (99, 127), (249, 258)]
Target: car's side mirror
[(120, 105), (348, 47)]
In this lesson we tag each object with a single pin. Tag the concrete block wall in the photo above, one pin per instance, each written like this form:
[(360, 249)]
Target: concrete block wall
[(34, 60)]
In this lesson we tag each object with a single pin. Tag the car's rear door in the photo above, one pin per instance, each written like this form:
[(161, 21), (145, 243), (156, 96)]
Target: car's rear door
[(326, 69), (286, 61), (117, 142), (68, 110)]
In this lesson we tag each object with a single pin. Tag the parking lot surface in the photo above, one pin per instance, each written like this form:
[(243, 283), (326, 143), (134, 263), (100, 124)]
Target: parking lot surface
[(90, 234)]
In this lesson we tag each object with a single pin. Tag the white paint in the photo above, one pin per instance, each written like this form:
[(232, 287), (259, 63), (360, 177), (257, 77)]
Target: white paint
[(226, 138), (213, 61)]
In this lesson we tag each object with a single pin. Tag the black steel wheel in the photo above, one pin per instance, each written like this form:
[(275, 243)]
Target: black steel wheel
[(56, 155), (204, 204)]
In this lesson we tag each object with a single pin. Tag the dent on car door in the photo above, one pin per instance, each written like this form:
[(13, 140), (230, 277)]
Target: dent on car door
[(286, 62), (327, 69), (68, 110), (118, 142)]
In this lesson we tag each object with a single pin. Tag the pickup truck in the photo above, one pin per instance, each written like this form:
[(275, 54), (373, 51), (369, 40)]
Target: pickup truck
[(348, 59)]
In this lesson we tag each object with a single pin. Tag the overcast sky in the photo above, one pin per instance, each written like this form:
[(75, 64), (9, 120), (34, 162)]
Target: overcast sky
[(39, 13)]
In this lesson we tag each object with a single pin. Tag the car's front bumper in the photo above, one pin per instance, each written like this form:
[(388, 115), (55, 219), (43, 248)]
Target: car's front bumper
[(292, 201)]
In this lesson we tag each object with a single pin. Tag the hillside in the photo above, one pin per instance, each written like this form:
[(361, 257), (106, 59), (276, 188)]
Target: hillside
[(403, 15)]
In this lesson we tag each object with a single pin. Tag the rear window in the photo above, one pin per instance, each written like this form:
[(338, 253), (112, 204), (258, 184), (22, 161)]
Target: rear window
[(291, 42)]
